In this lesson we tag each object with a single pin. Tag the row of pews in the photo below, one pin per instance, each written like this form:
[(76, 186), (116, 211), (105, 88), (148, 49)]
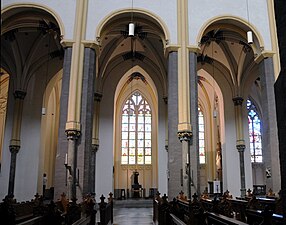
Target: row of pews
[(40, 212), (217, 210)]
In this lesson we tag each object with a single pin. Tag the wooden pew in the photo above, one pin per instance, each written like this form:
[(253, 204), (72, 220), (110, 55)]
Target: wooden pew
[(218, 219), (265, 217), (106, 210), (239, 206)]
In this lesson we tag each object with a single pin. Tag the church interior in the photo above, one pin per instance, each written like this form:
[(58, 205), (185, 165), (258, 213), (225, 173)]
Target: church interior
[(175, 107)]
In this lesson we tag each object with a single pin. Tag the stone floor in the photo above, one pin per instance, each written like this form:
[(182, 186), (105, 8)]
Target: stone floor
[(132, 216), (133, 212)]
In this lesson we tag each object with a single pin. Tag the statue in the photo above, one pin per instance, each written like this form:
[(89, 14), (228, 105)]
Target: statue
[(136, 174)]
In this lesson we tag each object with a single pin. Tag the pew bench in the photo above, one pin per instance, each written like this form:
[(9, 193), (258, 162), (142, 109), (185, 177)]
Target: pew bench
[(218, 219), (23, 211), (260, 217)]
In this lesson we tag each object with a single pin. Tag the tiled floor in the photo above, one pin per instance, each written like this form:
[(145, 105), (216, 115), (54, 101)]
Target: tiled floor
[(132, 216)]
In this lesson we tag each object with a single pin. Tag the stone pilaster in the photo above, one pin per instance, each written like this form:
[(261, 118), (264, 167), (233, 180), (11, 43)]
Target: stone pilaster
[(269, 123), (186, 138), (194, 153), (174, 147), (15, 137), (72, 136), (92, 171), (95, 140), (14, 149), (240, 143)]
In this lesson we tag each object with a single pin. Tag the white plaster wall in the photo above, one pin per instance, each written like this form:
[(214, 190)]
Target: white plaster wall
[(65, 9), (231, 172), (6, 155), (26, 176), (104, 155), (165, 10), (200, 11), (162, 153)]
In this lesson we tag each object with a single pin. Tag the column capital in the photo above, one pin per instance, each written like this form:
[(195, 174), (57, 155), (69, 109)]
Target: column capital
[(185, 135), (73, 134), (14, 148), (97, 96), (237, 101), (165, 100), (18, 94), (240, 147), (94, 148)]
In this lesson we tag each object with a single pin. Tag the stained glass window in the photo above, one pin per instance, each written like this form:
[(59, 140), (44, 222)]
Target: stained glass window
[(202, 152), (136, 132), (254, 126)]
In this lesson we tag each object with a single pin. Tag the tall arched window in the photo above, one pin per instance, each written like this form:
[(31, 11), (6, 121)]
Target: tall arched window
[(136, 131), (4, 86), (202, 151), (254, 125)]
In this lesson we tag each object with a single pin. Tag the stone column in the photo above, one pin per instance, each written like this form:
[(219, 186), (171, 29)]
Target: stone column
[(15, 140), (174, 147), (194, 152), (72, 136), (86, 118), (269, 125), (240, 143), (95, 140), (60, 172)]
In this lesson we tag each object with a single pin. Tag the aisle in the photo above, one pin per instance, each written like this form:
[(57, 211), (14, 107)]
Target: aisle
[(132, 216)]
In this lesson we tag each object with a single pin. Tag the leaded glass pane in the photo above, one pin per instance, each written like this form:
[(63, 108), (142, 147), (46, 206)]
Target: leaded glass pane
[(148, 127), (132, 119), (125, 143), (140, 127), (131, 159), (124, 159), (131, 151), (147, 119), (124, 118), (147, 151), (131, 143), (140, 118), (147, 135), (124, 127), (124, 135), (132, 127), (140, 143), (132, 135), (148, 160), (140, 135), (147, 143), (140, 159), (140, 151), (124, 151)]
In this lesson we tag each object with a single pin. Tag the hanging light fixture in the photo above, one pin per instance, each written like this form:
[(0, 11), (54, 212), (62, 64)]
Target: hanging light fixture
[(44, 109), (249, 33), (131, 27)]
